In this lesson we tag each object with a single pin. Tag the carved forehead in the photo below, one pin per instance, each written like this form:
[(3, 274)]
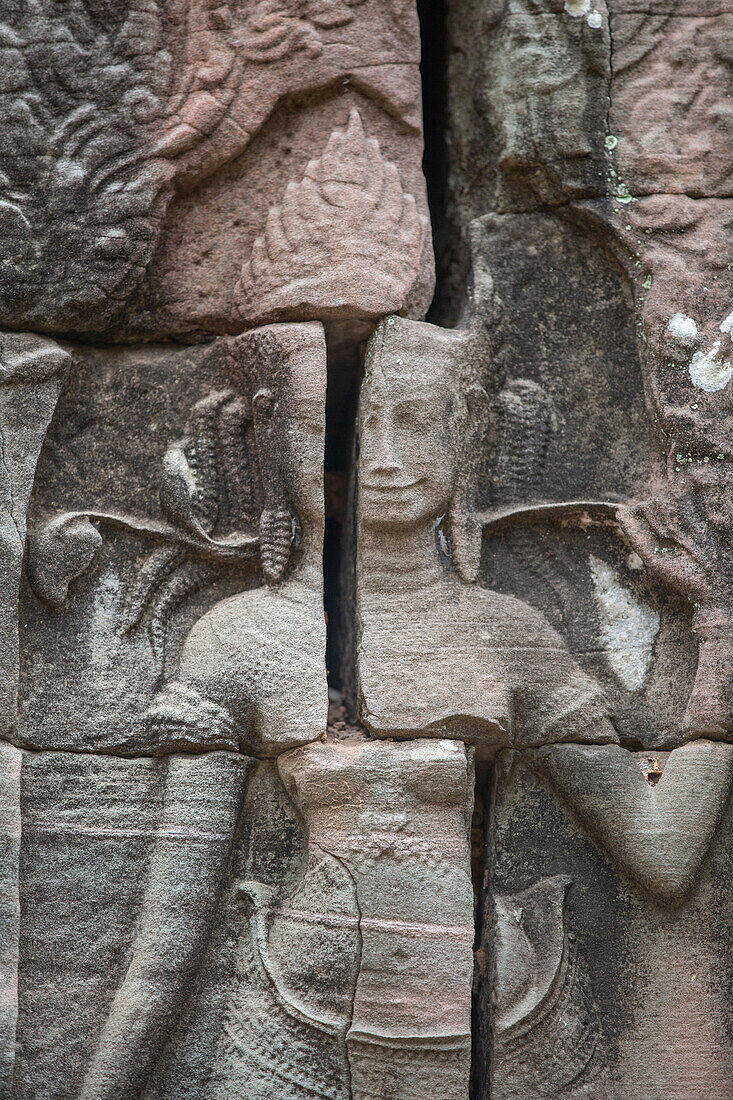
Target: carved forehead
[(410, 357)]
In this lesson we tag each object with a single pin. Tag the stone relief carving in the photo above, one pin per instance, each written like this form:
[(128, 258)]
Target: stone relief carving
[(424, 424), (499, 868), (112, 115), (659, 832), (397, 821), (297, 964), (273, 415), (638, 918), (547, 1032), (230, 690), (348, 214), (30, 380)]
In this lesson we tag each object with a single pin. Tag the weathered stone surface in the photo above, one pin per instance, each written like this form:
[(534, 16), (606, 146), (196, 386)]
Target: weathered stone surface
[(10, 765), (669, 110), (396, 817), (616, 989), (116, 120), (468, 496), (229, 437), (529, 107), (32, 370), (511, 679), (223, 875), (118, 884)]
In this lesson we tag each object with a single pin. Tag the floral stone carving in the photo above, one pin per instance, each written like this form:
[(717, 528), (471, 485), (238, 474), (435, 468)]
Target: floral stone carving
[(345, 241)]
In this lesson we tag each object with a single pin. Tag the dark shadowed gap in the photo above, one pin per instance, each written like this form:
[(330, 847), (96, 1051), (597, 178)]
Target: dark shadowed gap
[(344, 373), (433, 72)]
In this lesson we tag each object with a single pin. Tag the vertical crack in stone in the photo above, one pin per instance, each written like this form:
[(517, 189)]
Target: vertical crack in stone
[(344, 371), (347, 870), (433, 72)]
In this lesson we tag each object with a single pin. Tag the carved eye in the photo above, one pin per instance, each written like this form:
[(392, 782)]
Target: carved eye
[(263, 402)]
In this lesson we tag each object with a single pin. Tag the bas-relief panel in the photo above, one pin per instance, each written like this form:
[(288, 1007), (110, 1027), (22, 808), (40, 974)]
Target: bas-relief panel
[(144, 545), (208, 888), (488, 667)]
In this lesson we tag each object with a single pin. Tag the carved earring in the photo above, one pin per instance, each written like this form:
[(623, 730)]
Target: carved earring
[(277, 526), (464, 537)]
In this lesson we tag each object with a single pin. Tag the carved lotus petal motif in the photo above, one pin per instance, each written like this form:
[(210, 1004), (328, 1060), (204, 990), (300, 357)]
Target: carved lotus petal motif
[(345, 240)]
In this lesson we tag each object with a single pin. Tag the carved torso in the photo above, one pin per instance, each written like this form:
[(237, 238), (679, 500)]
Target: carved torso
[(257, 659), (473, 663)]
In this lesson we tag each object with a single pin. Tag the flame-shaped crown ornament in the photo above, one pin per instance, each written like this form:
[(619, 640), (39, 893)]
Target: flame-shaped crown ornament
[(345, 241)]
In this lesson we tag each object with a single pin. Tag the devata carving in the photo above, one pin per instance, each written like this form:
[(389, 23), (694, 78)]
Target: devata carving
[(424, 427), (365, 680), (397, 817)]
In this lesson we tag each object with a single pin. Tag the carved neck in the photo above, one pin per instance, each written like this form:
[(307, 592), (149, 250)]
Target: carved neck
[(399, 560)]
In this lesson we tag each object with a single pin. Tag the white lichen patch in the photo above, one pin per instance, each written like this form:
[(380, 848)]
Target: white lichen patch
[(595, 20), (709, 373), (682, 328), (577, 8), (727, 324), (628, 627)]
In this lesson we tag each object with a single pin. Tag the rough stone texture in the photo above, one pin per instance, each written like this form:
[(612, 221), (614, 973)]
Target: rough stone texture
[(31, 378), (142, 548), (144, 135), (121, 862), (215, 486), (483, 666), (396, 817), (489, 857), (614, 989)]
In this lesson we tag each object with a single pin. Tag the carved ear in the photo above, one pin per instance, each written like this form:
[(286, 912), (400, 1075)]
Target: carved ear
[(464, 527), (464, 534)]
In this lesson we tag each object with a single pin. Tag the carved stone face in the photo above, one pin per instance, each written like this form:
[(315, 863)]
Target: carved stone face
[(407, 423)]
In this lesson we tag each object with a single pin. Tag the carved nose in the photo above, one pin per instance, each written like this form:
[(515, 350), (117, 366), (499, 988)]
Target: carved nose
[(384, 459), (386, 466)]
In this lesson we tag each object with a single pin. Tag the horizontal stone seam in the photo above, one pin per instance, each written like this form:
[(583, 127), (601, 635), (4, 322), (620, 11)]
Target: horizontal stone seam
[(624, 743)]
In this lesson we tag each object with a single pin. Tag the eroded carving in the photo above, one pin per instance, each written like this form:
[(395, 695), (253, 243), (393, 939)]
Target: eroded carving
[(546, 1026), (111, 115), (397, 818), (10, 836), (31, 371), (660, 832), (144, 193), (237, 659), (346, 240), (482, 666), (683, 536), (297, 965), (638, 917)]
